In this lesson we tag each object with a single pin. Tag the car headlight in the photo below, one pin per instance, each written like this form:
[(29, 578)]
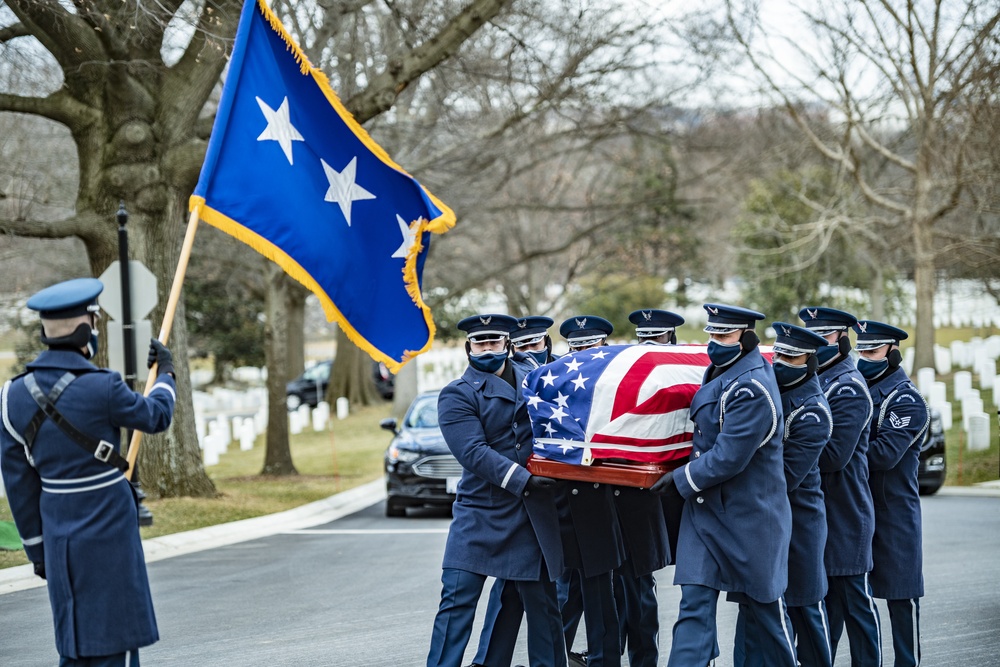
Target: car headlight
[(404, 455)]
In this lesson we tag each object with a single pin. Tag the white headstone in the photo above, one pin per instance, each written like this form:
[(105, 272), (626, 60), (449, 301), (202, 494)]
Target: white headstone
[(963, 383), (295, 422), (211, 451), (971, 405), (938, 394), (925, 378), (318, 420), (942, 359), (946, 417), (987, 374), (225, 435), (342, 408), (908, 355), (247, 435), (959, 356), (979, 432)]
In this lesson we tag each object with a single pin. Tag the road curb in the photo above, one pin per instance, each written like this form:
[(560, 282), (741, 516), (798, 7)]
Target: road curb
[(990, 491), (22, 577)]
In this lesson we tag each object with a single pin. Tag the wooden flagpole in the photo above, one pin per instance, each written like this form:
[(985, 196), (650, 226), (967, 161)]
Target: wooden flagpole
[(168, 320)]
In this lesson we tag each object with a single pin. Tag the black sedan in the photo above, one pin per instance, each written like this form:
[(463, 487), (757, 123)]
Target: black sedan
[(932, 470), (419, 469)]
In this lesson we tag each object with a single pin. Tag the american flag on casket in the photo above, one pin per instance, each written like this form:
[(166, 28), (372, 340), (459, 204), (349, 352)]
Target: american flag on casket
[(626, 402)]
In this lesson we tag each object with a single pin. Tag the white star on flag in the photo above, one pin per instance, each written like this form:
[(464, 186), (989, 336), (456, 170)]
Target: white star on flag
[(578, 383), (558, 414), (561, 400), (279, 127), (343, 188), (573, 365), (600, 355), (534, 400), (409, 238), (548, 379), (549, 428)]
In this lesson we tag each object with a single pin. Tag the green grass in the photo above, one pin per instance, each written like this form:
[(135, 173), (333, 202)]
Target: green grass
[(346, 456), (965, 467)]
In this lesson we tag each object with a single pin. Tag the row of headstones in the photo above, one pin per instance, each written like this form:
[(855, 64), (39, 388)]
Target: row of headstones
[(975, 420)]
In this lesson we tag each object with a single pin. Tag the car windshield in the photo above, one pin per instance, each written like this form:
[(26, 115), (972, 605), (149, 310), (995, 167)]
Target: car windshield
[(424, 413), (318, 372)]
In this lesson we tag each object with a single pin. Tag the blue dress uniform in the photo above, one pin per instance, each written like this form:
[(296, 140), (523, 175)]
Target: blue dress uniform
[(736, 523), (898, 425), (76, 514), (504, 611), (644, 529), (500, 527), (850, 515), (808, 425), (591, 536)]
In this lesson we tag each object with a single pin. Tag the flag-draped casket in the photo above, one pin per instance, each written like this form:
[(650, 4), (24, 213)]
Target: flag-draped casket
[(617, 414)]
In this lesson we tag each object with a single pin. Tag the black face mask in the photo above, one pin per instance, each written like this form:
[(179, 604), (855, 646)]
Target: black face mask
[(82, 337)]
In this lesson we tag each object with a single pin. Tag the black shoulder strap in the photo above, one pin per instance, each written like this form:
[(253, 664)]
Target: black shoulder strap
[(102, 450)]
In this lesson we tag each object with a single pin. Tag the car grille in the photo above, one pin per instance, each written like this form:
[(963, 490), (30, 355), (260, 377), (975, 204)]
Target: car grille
[(438, 467)]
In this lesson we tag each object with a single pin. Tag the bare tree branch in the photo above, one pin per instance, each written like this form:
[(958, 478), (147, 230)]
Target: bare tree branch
[(59, 106), (13, 31)]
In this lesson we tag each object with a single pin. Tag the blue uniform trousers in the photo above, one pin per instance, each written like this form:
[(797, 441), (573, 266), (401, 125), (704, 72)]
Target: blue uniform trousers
[(904, 615), (500, 625), (812, 635), (763, 634), (126, 659), (849, 603), (638, 617), (460, 591), (594, 599)]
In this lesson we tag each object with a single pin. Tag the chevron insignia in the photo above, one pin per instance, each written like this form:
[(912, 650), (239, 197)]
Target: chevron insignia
[(485, 320), (647, 315), (582, 323), (898, 422)]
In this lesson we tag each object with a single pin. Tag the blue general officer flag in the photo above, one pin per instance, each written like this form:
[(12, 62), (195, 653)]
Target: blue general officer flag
[(291, 173)]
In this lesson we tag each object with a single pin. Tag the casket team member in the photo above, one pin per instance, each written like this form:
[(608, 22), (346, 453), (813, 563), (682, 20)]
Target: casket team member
[(843, 467), (899, 420), (73, 507), (532, 348), (808, 425), (736, 523), (591, 535), (644, 529), (505, 523)]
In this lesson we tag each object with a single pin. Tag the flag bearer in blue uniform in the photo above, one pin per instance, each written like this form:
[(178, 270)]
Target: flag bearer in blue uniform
[(644, 529), (899, 421), (736, 522), (592, 539), (505, 523), (532, 348), (843, 467), (808, 425), (74, 508)]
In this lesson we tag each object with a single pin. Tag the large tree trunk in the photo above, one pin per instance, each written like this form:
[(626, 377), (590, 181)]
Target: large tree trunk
[(296, 329), (278, 456), (351, 375), (925, 279)]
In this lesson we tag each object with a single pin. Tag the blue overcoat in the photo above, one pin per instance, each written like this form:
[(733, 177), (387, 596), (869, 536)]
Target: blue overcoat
[(901, 418), (843, 467), (499, 528), (808, 425), (591, 534), (644, 530), (78, 514), (736, 521)]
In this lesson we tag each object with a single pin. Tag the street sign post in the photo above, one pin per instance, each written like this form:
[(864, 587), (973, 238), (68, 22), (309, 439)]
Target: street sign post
[(142, 290)]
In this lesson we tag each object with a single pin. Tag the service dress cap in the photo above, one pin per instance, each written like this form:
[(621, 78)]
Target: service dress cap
[(67, 299), (652, 323), (825, 320), (873, 335), (481, 328), (531, 329), (583, 330), (794, 340), (723, 319)]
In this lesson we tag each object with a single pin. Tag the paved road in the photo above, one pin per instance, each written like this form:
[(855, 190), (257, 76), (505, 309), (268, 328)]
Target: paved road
[(363, 591)]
